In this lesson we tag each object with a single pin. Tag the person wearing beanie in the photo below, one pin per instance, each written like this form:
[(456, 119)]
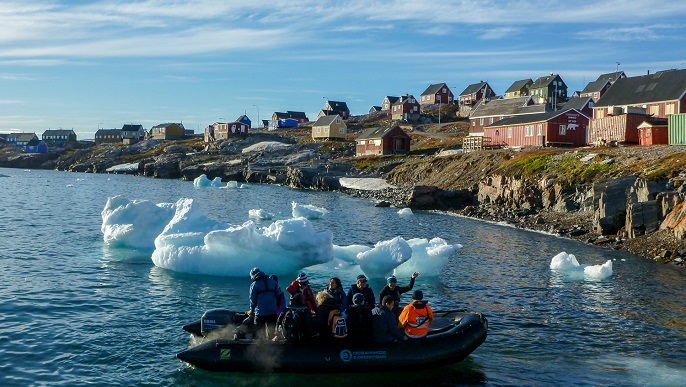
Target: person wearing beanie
[(360, 286), (416, 317), (263, 303), (359, 321), (394, 290), (301, 285)]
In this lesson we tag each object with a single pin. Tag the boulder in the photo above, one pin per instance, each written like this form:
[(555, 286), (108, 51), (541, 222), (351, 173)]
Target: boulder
[(641, 218)]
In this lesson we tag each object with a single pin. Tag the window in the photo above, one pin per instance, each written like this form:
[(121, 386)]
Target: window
[(563, 130), (509, 133), (528, 131), (669, 109), (473, 123), (481, 121), (319, 130), (540, 129), (340, 130)]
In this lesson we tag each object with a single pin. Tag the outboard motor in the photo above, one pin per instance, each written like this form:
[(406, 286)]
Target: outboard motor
[(216, 319)]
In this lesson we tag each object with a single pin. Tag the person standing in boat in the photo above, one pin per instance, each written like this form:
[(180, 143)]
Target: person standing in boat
[(361, 287), (416, 317), (281, 298), (386, 323), (302, 285), (335, 290), (394, 290), (263, 302)]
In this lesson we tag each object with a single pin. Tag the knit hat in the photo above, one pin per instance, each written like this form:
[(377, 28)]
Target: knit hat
[(361, 276), (358, 299), (417, 295), (274, 277), (254, 272), (303, 279), (391, 279)]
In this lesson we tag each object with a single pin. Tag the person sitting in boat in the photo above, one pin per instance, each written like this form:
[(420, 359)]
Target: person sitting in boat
[(281, 299), (361, 287), (417, 316), (394, 290), (295, 324), (263, 301), (302, 285), (336, 291), (326, 305), (359, 321), (386, 324)]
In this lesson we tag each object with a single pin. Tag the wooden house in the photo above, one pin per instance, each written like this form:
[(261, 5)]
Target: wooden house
[(244, 119), (374, 109), (475, 93), (382, 141), (519, 88), (405, 108), (337, 107), (488, 112), (36, 146), (282, 123), (550, 90), (168, 131), (436, 94), (330, 127), (223, 130), (557, 128), (108, 136), (132, 133), (300, 117), (582, 104), (653, 132), (20, 140), (59, 135), (597, 88), (388, 101)]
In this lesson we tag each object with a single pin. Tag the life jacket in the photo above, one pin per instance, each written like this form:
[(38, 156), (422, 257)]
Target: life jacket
[(416, 319), (339, 328)]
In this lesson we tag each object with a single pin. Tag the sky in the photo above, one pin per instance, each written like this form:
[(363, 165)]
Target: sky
[(84, 65)]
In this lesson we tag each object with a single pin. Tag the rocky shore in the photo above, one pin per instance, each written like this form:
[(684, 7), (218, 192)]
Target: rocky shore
[(618, 198)]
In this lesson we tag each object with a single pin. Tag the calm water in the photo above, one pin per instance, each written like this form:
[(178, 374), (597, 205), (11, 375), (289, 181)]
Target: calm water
[(74, 312)]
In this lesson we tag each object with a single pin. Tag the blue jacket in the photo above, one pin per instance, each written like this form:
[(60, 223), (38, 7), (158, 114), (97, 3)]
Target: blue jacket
[(263, 295), (386, 327)]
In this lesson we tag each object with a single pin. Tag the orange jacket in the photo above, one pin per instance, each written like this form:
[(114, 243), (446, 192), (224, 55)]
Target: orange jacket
[(416, 318)]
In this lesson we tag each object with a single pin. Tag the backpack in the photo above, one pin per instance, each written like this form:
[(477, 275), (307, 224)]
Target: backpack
[(339, 329), (292, 325)]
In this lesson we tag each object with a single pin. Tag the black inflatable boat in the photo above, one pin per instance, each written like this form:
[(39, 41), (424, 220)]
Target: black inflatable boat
[(452, 337)]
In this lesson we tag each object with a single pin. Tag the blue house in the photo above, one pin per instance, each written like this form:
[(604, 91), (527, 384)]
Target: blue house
[(20, 140), (244, 119), (36, 146)]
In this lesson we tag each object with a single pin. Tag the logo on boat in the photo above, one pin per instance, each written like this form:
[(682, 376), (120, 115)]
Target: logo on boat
[(225, 353), (347, 355)]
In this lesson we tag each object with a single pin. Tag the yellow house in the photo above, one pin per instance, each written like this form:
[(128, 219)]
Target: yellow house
[(168, 131), (330, 127)]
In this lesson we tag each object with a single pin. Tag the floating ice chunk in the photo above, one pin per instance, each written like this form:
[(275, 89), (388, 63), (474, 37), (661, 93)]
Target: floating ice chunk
[(405, 213), (428, 257), (284, 247), (134, 224), (381, 260), (260, 214), (308, 211), (599, 271), (203, 181), (567, 263), (349, 253), (234, 185)]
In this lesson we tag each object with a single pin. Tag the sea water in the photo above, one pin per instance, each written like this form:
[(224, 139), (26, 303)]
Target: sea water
[(76, 312)]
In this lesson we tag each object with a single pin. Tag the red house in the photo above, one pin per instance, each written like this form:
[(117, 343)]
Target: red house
[(222, 130), (435, 94), (653, 132), (382, 141), (558, 128), (405, 107)]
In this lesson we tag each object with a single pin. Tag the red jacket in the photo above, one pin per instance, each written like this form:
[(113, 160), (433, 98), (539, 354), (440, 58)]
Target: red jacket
[(308, 295)]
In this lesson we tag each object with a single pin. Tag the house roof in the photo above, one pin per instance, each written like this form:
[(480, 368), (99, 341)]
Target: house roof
[(471, 89), (391, 99), (21, 137), (131, 128), (377, 132), (433, 89), (531, 118), (375, 108), (326, 120), (506, 107), (544, 81), (668, 85), (241, 118), (649, 123), (58, 132), (577, 103), (402, 99), (519, 85), (338, 105), (595, 86), (168, 124), (296, 115), (34, 142), (611, 76), (116, 132)]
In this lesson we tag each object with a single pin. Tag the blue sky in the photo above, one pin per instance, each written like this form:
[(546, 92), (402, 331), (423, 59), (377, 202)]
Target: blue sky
[(89, 64)]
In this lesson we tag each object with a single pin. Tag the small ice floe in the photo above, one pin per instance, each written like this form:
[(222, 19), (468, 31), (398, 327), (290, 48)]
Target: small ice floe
[(234, 185), (308, 211), (260, 214), (203, 181), (568, 264), (405, 213)]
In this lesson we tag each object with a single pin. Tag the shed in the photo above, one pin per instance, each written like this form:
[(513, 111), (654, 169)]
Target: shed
[(382, 141), (653, 132)]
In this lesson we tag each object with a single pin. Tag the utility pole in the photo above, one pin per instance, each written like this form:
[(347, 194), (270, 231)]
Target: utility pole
[(259, 123)]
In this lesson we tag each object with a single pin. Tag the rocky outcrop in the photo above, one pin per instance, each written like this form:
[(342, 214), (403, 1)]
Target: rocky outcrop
[(610, 201), (509, 192)]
